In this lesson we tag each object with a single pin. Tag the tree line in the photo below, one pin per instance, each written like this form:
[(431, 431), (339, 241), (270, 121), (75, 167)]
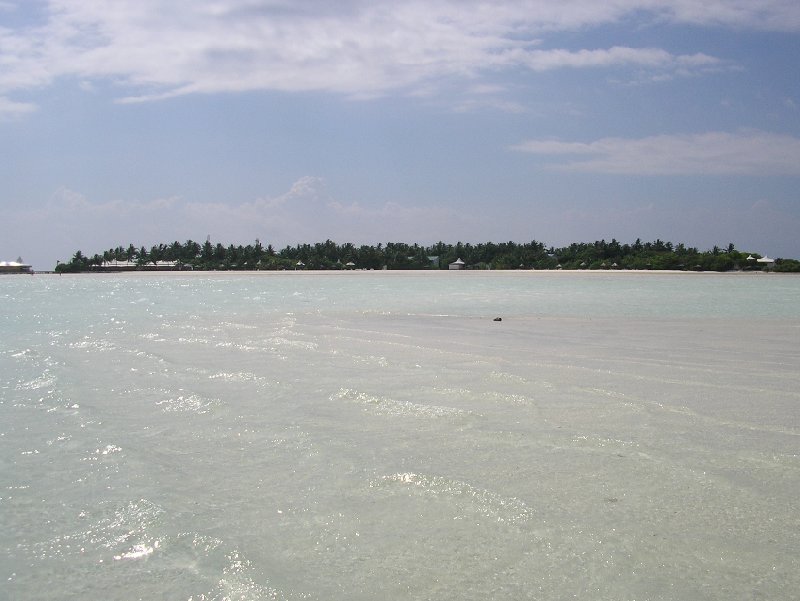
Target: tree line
[(329, 255)]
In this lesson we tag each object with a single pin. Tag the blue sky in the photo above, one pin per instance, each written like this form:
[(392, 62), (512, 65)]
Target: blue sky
[(147, 121)]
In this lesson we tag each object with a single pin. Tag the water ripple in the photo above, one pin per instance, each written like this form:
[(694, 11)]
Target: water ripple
[(386, 406), (467, 497)]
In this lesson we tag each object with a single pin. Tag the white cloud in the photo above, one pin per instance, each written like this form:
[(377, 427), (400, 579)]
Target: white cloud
[(748, 152), (480, 103), (774, 15), (543, 60), (164, 48), (11, 110)]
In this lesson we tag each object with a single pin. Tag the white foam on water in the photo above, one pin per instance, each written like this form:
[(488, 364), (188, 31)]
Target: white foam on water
[(391, 407), (468, 498), (110, 529), (278, 341), (239, 376), (371, 360), (93, 344), (188, 403), (137, 551), (44, 381)]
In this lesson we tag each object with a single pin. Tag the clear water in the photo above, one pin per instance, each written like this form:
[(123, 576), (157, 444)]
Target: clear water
[(378, 436)]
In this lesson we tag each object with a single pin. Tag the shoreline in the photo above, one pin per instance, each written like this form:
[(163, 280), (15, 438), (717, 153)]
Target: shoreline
[(418, 272)]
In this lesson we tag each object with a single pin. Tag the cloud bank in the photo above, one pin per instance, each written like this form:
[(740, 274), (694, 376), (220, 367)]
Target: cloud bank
[(154, 49), (303, 214), (748, 152)]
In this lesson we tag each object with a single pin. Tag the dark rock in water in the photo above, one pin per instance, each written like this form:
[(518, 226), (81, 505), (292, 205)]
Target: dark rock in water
[(498, 319)]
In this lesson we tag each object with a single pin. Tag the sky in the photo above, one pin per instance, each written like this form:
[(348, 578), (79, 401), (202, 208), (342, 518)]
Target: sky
[(150, 121)]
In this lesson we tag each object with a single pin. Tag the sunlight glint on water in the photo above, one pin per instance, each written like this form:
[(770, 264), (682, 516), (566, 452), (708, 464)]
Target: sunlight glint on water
[(379, 436)]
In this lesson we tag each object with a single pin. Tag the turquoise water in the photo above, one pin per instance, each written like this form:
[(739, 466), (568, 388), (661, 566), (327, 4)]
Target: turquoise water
[(462, 293), (378, 436)]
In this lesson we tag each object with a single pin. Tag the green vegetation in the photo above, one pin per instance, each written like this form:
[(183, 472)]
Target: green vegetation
[(396, 255), (787, 265)]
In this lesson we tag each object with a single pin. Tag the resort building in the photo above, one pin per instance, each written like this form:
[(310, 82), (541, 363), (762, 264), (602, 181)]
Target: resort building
[(766, 262), (134, 266), (15, 267)]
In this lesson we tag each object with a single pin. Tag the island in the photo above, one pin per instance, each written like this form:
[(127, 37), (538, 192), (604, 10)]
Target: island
[(328, 255)]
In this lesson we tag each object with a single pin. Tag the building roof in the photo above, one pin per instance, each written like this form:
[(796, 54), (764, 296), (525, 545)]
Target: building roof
[(13, 264)]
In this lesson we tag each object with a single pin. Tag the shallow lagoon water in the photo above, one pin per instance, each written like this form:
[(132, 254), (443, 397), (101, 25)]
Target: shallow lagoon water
[(377, 435)]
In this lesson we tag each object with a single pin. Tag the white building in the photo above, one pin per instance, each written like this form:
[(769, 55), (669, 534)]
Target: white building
[(15, 267), (766, 262)]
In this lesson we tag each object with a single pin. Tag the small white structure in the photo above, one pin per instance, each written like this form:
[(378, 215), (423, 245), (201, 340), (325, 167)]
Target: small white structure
[(118, 265), (115, 265), (457, 264), (15, 267), (766, 262)]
